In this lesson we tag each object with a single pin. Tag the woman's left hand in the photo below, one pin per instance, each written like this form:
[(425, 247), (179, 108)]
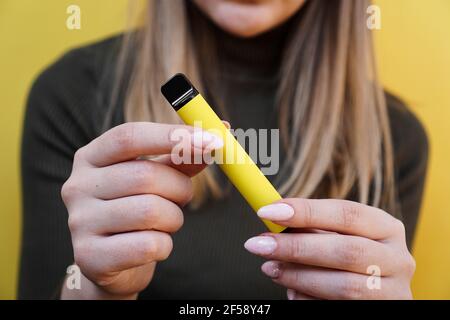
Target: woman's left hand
[(335, 249)]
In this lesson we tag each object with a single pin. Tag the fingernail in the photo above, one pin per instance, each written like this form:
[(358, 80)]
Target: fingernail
[(261, 245), (291, 294), (276, 212), (227, 124), (271, 269), (206, 140)]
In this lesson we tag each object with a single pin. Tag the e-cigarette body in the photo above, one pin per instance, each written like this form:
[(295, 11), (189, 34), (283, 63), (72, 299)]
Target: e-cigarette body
[(237, 165)]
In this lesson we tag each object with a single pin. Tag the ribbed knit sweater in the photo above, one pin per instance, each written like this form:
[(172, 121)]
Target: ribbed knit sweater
[(65, 111)]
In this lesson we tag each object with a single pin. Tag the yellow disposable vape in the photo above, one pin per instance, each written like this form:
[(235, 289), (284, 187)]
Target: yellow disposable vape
[(237, 165)]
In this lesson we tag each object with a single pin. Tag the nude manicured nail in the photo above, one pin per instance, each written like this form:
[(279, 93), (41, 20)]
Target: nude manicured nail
[(291, 294), (204, 139), (227, 124), (271, 269), (261, 245), (276, 212)]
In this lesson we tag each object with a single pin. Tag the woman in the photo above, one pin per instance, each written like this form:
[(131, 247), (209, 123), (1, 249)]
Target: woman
[(305, 67)]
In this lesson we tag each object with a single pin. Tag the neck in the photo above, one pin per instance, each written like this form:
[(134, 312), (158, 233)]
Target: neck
[(258, 56)]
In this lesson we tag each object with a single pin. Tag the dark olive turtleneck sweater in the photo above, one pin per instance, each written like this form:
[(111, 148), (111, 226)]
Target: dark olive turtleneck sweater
[(65, 111)]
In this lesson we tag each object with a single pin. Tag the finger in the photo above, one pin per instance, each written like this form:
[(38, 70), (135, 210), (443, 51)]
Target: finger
[(189, 170), (333, 251), (127, 282), (341, 216), (121, 251), (329, 284), (195, 159), (132, 140), (140, 177), (134, 213)]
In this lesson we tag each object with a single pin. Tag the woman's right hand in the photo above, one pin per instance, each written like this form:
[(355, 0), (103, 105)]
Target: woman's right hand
[(122, 210)]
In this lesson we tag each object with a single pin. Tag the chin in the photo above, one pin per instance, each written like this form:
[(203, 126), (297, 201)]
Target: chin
[(243, 29)]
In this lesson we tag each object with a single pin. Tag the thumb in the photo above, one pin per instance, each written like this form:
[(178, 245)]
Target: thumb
[(190, 169)]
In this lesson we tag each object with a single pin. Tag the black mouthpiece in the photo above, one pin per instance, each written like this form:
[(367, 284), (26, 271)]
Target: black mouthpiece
[(178, 91)]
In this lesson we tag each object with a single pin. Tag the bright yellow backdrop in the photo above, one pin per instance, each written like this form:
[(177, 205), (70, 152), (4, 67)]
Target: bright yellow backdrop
[(414, 55)]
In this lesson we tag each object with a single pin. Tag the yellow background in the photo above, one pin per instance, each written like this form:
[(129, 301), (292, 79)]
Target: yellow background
[(414, 55)]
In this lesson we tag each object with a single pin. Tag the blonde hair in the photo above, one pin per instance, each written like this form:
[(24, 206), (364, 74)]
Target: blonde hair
[(332, 110)]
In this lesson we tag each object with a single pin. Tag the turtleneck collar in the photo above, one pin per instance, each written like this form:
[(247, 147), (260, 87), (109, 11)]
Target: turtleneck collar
[(258, 56)]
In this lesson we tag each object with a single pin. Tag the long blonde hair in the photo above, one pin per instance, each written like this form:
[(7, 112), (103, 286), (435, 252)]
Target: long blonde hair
[(328, 95)]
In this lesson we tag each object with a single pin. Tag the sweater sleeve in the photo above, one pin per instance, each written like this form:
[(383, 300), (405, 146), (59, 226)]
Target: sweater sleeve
[(58, 121), (411, 149)]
